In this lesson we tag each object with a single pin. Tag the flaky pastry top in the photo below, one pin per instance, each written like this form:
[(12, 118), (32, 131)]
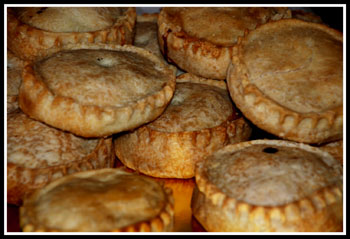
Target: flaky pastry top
[(69, 19), (222, 25), (271, 174), (32, 144), (101, 77), (197, 104), (302, 60), (100, 200)]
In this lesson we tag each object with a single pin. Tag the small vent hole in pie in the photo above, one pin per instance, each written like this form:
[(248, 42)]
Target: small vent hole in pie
[(270, 150), (105, 62)]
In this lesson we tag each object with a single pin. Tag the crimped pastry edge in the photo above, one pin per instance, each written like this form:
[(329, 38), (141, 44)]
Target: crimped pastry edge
[(91, 120), (319, 127), (209, 60), (232, 130), (29, 42), (189, 77), (101, 157), (164, 222), (294, 216)]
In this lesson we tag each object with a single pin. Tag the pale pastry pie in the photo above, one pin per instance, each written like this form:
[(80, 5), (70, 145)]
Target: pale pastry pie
[(287, 78), (38, 154), (199, 40), (269, 186), (104, 200), (96, 90), (199, 119), (33, 30), (13, 80)]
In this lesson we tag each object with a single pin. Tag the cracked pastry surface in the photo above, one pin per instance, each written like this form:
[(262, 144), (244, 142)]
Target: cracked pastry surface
[(269, 185), (32, 144), (38, 154), (100, 200), (98, 89), (289, 74)]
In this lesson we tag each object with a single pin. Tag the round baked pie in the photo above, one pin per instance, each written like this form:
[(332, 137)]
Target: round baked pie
[(38, 154), (199, 119), (33, 30), (269, 186), (105, 200), (287, 78), (199, 40), (13, 80), (96, 90)]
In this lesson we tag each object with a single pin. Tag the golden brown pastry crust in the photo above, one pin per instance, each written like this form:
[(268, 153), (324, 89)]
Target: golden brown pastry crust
[(275, 80), (115, 194), (317, 207), (29, 42), (88, 112), (169, 148), (199, 40), (38, 154)]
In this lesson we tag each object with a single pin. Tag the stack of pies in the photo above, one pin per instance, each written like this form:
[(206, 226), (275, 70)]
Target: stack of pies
[(199, 120), (38, 154), (200, 39), (118, 122)]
